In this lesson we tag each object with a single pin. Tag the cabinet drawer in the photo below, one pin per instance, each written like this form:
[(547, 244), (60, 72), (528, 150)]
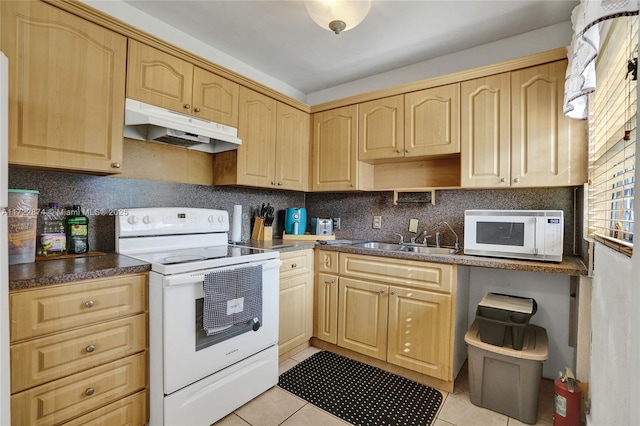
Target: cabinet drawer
[(327, 261), (48, 310), (296, 262), (127, 411), (418, 274), (81, 393), (39, 361)]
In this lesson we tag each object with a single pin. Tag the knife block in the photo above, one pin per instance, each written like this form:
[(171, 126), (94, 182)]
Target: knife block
[(261, 232)]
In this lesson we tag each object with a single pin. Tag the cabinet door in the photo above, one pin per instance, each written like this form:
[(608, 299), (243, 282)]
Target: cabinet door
[(326, 302), (485, 129), (540, 134), (292, 148), (215, 98), (380, 129), (157, 78), (335, 149), (420, 331), (362, 317), (296, 311), (257, 129), (66, 89), (432, 123)]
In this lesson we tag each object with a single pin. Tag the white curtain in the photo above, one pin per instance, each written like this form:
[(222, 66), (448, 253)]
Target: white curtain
[(581, 73)]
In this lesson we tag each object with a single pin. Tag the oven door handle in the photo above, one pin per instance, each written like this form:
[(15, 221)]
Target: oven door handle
[(198, 276)]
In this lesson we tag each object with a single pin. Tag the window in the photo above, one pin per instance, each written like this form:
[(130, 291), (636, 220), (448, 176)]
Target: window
[(612, 137)]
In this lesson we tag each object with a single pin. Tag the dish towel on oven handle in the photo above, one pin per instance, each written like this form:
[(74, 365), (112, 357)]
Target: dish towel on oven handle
[(231, 296)]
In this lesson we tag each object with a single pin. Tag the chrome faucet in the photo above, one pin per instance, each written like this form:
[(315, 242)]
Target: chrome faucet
[(457, 244), (401, 238), (424, 240)]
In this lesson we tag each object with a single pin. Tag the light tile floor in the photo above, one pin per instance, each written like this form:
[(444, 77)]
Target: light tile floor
[(279, 407)]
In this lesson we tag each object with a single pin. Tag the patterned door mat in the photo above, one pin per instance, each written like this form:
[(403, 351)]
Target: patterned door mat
[(359, 393)]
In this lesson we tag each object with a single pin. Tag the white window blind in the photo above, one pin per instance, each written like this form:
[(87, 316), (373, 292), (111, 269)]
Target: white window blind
[(612, 138)]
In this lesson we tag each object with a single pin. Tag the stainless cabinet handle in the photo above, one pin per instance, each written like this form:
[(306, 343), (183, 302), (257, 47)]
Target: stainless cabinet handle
[(187, 106), (398, 151), (393, 292), (517, 180), (333, 281), (90, 348), (89, 303), (273, 182), (381, 291), (406, 151), (116, 165), (279, 183), (294, 265), (89, 391), (197, 109), (502, 180)]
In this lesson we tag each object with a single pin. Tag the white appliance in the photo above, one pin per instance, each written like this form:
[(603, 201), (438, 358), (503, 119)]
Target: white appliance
[(5, 393), (151, 123), (196, 379), (519, 234)]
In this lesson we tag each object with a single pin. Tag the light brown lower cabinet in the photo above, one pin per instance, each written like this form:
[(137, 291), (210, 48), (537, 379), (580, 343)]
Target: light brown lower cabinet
[(79, 353), (394, 310), (296, 300)]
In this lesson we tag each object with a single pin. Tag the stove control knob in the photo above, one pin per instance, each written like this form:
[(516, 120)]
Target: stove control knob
[(256, 325), (132, 220), (147, 219), (221, 219)]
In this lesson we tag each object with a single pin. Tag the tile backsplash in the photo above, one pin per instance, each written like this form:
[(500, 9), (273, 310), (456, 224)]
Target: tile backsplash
[(356, 211), (101, 196)]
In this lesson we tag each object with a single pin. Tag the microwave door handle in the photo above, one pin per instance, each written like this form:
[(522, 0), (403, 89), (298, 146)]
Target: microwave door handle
[(535, 236)]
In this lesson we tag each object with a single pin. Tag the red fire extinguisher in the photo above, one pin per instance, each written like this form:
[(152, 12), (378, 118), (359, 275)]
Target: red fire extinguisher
[(568, 400)]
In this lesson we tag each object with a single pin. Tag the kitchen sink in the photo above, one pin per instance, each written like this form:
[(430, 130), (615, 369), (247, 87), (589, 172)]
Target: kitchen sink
[(407, 247), (429, 250), (378, 245)]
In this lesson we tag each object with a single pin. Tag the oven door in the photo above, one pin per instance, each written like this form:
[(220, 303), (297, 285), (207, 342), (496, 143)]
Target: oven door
[(188, 353)]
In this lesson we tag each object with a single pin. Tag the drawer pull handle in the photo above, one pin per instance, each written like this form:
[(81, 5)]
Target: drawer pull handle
[(89, 303), (294, 265), (91, 348), (89, 391)]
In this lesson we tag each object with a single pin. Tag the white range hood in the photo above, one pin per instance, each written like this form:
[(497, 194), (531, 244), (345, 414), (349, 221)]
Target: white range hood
[(151, 123)]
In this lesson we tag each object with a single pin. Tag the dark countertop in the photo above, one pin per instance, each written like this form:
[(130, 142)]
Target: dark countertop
[(64, 270), (570, 265), (100, 265)]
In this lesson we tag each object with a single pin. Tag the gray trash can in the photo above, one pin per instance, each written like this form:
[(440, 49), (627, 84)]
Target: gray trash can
[(504, 379)]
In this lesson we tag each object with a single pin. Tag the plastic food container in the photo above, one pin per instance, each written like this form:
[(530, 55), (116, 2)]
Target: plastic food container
[(22, 212)]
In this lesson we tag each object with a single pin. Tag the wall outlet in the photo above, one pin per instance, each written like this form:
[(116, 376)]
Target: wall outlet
[(413, 225), (377, 222), (336, 223)]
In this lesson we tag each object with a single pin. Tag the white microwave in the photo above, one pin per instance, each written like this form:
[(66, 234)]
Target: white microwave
[(519, 234)]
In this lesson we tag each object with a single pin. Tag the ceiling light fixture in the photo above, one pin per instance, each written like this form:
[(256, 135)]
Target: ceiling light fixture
[(338, 15)]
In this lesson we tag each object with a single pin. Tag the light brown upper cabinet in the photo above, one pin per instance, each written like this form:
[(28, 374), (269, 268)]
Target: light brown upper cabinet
[(413, 125), (547, 148), (160, 79), (515, 134), (335, 149), (66, 89), (485, 118), (380, 129), (275, 146), (432, 121)]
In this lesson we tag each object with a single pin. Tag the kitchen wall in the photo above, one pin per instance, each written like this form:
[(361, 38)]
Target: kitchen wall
[(99, 195), (356, 211)]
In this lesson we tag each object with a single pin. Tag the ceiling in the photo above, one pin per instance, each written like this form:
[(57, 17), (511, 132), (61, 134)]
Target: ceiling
[(280, 39)]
